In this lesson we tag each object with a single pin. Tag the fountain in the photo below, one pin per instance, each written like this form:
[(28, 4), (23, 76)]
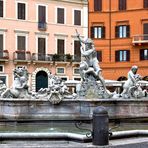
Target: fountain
[(55, 103)]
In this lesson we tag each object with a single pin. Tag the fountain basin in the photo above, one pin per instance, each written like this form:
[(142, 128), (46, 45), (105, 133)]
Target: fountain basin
[(70, 109)]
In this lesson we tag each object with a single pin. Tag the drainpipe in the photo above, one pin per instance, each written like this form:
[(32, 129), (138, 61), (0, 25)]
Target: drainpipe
[(110, 31)]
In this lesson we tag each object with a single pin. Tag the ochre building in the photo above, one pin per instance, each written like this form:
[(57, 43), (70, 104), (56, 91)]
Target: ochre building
[(119, 29)]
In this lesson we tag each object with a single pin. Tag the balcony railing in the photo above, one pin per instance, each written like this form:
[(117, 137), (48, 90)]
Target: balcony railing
[(42, 57), (76, 58), (22, 55), (42, 26), (4, 55), (140, 39), (62, 58)]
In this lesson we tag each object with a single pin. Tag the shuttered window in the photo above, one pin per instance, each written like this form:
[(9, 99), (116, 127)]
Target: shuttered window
[(145, 3), (122, 31), (1, 45), (122, 55), (60, 15), (97, 5), (1, 8), (42, 14), (21, 46), (77, 17), (21, 43), (21, 7), (99, 56), (77, 48), (98, 32), (1, 42), (122, 4), (60, 46), (144, 54)]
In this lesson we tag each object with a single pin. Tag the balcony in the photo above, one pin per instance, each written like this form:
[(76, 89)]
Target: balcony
[(22, 56), (42, 26), (4, 55), (42, 58), (140, 39), (76, 58), (65, 58)]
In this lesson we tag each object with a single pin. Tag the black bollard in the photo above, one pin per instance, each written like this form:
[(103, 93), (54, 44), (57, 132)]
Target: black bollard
[(100, 135)]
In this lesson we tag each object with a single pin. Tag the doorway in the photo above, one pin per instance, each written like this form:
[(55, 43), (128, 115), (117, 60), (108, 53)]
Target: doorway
[(41, 80)]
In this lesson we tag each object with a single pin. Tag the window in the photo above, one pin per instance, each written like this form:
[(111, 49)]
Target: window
[(1, 45), (98, 32), (122, 4), (42, 18), (21, 11), (77, 79), (1, 8), (76, 71), (60, 15), (122, 55), (144, 54), (99, 56), (97, 5), (60, 70), (42, 14), (3, 78), (1, 68), (122, 31), (64, 79), (41, 48), (77, 17), (145, 31), (21, 42), (21, 46), (145, 3), (77, 53), (60, 46)]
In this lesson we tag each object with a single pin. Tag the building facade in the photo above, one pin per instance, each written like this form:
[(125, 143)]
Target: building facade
[(40, 34), (119, 29)]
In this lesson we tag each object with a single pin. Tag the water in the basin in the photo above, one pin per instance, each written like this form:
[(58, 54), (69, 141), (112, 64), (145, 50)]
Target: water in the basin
[(65, 127), (43, 127)]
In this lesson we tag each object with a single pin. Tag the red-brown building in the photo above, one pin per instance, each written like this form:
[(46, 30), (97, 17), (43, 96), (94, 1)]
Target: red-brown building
[(119, 29)]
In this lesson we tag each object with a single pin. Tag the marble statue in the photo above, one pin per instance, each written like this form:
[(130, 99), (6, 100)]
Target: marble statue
[(19, 87), (89, 67), (2, 87), (131, 87), (56, 91)]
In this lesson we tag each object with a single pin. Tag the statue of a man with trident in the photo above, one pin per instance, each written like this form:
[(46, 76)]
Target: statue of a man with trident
[(90, 64)]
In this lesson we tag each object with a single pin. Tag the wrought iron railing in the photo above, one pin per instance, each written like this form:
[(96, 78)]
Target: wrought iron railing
[(143, 38), (62, 58), (4, 54), (76, 58), (42, 57), (22, 55), (42, 26)]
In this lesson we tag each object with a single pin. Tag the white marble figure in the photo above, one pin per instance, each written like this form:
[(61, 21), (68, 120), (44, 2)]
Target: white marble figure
[(19, 88), (2, 87), (90, 65), (131, 87), (56, 91)]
